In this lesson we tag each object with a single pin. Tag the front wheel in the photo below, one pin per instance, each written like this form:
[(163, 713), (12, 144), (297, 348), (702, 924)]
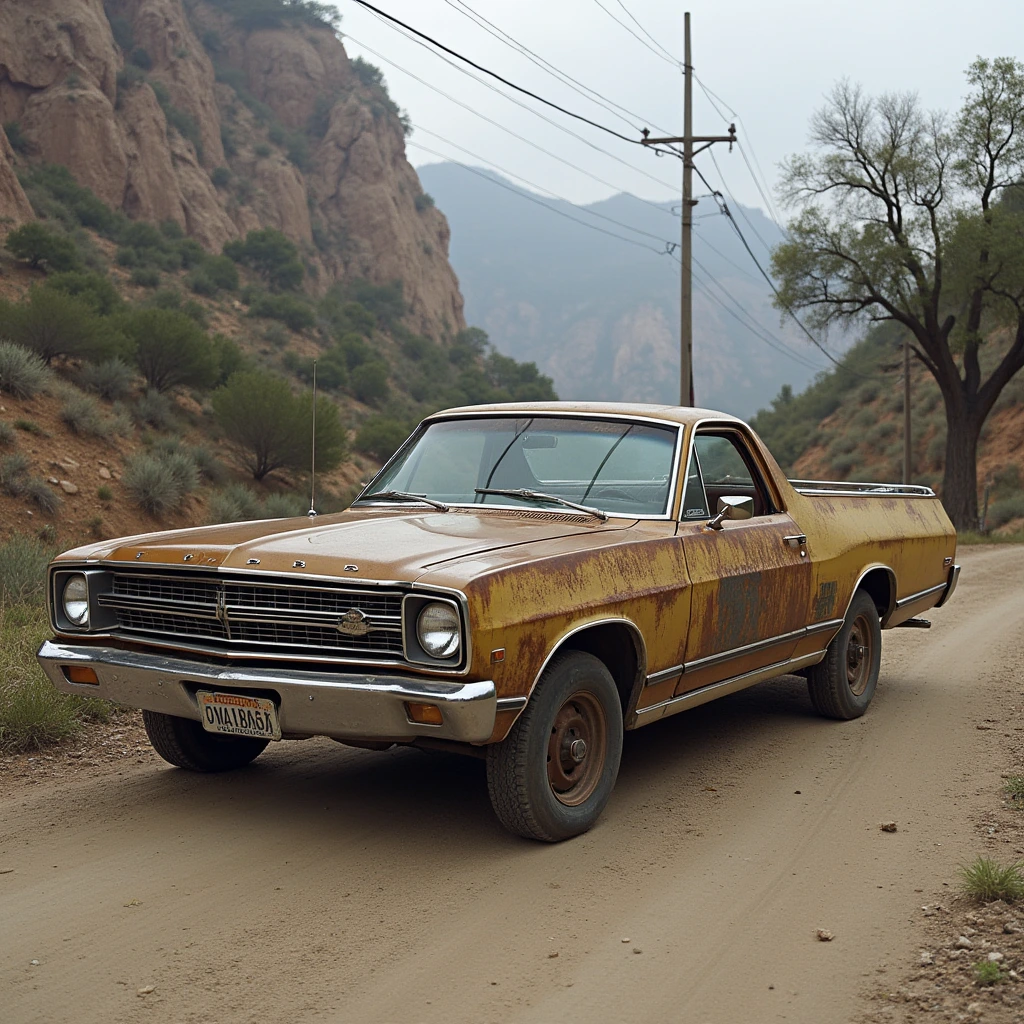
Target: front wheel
[(551, 777), (186, 744), (843, 683)]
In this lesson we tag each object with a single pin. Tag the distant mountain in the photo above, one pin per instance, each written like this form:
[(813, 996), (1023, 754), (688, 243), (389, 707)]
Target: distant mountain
[(602, 316)]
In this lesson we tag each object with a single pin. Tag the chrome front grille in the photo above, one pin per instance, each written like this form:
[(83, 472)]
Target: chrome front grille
[(250, 616)]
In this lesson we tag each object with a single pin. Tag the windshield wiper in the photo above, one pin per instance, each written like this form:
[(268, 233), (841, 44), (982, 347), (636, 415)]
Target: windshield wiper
[(525, 492), (406, 496)]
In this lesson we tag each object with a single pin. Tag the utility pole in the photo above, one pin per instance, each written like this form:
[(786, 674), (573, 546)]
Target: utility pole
[(907, 469), (685, 243)]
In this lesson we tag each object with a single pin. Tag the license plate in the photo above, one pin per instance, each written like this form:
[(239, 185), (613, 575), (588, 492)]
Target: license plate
[(234, 715)]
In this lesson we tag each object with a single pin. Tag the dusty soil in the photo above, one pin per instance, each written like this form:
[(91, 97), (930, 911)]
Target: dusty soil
[(331, 884)]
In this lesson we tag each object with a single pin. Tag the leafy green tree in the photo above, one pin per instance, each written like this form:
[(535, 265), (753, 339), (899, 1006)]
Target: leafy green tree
[(291, 310), (52, 323), (271, 255), (369, 382), (900, 219), (97, 290), (171, 349), (42, 247), (269, 428), (380, 437)]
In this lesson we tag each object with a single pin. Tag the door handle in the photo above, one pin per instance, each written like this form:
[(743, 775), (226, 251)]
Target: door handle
[(797, 540)]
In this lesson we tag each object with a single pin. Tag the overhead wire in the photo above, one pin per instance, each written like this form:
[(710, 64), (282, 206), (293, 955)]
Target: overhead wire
[(545, 65), (507, 130), (669, 245), (675, 60), (535, 199), (495, 75), (536, 113), (661, 52)]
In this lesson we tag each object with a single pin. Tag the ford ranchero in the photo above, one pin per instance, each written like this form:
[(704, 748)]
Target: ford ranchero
[(524, 582)]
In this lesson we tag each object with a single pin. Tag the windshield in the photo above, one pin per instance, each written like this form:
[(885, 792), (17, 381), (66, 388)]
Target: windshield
[(621, 467)]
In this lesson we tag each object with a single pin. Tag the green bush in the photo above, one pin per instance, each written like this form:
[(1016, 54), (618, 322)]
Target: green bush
[(52, 324), (271, 255), (154, 409), (985, 880), (8, 435), (154, 483), (16, 137), (291, 310), (257, 14), (23, 562), (200, 283), (170, 349), (112, 379), (1006, 509), (380, 437), (30, 427), (105, 493), (262, 150), (81, 415), (14, 474), (222, 271), (369, 382), (385, 302), (269, 428), (230, 358), (141, 58), (22, 373), (94, 289), (41, 246), (44, 496), (53, 192), (234, 504), (146, 277), (283, 506), (424, 201)]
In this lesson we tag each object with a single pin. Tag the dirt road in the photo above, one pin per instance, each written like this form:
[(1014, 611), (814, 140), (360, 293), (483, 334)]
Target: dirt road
[(331, 884)]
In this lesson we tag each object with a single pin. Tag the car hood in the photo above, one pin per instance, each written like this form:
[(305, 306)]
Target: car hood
[(370, 545)]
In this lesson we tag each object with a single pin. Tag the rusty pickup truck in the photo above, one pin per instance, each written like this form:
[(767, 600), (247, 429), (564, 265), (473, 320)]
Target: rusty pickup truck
[(523, 582)]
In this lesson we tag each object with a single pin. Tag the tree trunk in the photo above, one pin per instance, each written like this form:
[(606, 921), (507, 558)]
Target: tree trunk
[(960, 479)]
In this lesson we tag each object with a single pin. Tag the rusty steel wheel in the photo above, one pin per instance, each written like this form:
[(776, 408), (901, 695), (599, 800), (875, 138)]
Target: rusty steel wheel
[(551, 777), (842, 685), (576, 750)]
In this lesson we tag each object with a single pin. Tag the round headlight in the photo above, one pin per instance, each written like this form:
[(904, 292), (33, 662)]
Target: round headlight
[(76, 600), (438, 629)]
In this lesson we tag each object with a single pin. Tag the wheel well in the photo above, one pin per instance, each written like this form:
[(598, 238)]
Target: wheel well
[(880, 586), (618, 646)]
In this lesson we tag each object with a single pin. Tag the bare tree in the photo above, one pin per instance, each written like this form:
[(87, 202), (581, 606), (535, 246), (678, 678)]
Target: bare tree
[(903, 216)]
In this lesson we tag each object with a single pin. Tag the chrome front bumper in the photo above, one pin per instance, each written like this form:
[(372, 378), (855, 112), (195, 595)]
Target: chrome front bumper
[(343, 705)]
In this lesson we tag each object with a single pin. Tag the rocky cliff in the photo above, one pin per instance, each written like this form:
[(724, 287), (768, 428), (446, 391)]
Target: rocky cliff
[(196, 112)]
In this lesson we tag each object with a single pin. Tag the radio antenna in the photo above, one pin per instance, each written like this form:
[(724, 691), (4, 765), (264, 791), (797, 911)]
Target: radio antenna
[(312, 461)]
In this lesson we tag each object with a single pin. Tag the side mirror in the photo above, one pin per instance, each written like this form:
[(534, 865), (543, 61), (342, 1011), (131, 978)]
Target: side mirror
[(732, 506)]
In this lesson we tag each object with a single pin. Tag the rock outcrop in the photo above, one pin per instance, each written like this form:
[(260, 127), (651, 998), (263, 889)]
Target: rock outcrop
[(150, 102)]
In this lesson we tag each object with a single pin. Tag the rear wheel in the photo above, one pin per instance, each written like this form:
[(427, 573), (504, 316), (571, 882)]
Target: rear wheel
[(843, 683), (551, 777), (186, 744)]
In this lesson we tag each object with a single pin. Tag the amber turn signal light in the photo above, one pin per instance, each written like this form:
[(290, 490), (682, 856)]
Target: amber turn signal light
[(424, 714), (80, 674)]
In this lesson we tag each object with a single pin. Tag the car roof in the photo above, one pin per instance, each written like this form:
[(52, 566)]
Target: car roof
[(671, 413)]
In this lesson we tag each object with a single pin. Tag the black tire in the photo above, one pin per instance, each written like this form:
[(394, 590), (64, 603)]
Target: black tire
[(843, 683), (186, 744), (553, 798)]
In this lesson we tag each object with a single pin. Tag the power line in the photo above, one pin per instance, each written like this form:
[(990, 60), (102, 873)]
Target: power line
[(739, 206), (557, 73), (659, 53), (527, 107), (500, 126), (494, 74), (675, 60), (669, 246), (535, 199)]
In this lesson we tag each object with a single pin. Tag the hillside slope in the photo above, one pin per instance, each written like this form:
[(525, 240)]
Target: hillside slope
[(601, 316), (223, 116)]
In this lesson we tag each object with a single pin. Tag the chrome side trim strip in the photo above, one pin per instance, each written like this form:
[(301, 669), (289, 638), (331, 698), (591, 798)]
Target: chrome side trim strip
[(760, 645), (511, 703), (836, 487), (954, 578), (921, 594), (666, 673), (722, 689)]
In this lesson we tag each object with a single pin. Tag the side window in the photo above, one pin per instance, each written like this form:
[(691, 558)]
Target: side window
[(725, 467)]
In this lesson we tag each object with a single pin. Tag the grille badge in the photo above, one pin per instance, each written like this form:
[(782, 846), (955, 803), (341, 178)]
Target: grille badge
[(354, 623)]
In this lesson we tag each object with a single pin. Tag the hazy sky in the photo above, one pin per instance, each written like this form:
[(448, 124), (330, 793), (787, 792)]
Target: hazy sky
[(771, 63)]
